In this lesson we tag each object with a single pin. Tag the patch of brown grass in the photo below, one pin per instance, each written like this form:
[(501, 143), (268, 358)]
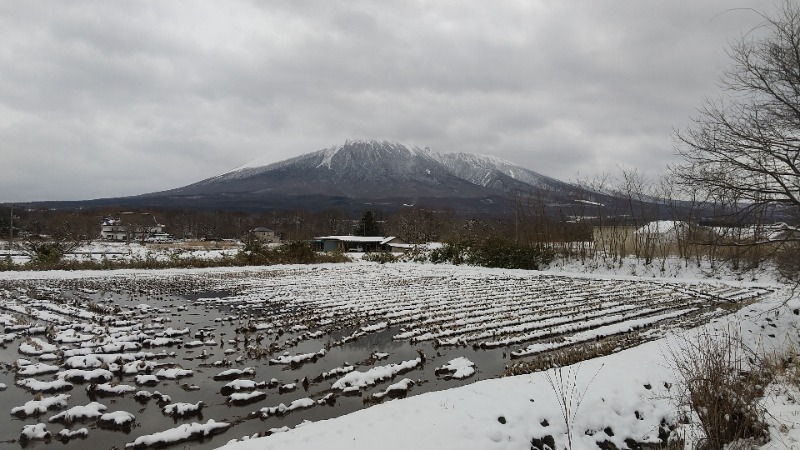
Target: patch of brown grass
[(572, 355), (783, 364)]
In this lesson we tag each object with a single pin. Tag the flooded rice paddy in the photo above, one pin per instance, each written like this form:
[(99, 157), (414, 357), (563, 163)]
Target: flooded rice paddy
[(116, 360)]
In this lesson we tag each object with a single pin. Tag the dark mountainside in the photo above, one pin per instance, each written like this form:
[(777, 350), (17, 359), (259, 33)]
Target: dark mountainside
[(361, 175)]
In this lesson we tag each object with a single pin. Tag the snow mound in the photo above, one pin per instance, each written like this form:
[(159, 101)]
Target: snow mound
[(36, 407), (375, 375), (182, 433), (80, 413), (458, 368)]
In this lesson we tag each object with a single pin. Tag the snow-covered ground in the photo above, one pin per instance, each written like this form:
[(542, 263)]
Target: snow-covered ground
[(121, 251), (628, 394)]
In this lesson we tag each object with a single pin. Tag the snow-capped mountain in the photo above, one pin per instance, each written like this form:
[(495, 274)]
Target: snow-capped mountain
[(358, 172), (381, 159), (356, 169), (373, 174)]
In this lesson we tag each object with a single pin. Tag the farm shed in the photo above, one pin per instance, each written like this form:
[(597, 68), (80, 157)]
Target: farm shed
[(361, 244), (666, 235), (265, 234), (663, 231)]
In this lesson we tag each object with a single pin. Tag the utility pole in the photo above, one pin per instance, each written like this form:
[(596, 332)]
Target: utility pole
[(516, 219), (10, 236)]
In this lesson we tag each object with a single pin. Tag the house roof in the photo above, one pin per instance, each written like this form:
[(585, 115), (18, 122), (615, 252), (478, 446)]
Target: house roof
[(407, 246), (375, 239), (262, 230)]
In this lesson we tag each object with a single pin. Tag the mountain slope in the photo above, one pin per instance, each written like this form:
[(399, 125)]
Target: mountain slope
[(492, 172)]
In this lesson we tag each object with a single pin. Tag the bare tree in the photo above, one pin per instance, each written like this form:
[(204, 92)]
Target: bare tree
[(416, 225), (743, 151), (748, 146)]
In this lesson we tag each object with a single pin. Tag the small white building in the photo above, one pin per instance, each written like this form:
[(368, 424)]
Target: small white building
[(130, 226), (264, 234)]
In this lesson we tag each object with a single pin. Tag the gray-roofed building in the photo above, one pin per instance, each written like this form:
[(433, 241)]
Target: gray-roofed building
[(362, 244)]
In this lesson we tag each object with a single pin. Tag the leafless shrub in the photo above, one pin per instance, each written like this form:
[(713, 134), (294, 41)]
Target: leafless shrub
[(721, 387)]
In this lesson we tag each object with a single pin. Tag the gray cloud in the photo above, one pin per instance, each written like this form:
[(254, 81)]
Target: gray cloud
[(102, 99)]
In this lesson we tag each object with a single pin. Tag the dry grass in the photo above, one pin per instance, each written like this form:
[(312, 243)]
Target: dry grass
[(787, 259), (193, 245), (783, 364), (564, 383), (573, 355)]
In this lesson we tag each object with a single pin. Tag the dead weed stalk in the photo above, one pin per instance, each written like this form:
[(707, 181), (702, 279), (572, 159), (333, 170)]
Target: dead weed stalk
[(564, 383)]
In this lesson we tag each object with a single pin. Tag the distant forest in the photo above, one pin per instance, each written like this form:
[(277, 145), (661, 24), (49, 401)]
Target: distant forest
[(413, 224)]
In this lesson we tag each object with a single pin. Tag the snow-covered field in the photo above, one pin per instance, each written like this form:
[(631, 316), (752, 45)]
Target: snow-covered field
[(114, 333), (627, 394), (121, 251)]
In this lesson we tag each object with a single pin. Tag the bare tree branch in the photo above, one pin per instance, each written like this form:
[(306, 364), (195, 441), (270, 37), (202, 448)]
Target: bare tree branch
[(748, 147)]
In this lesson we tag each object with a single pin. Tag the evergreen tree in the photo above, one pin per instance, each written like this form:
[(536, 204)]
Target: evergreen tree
[(368, 226)]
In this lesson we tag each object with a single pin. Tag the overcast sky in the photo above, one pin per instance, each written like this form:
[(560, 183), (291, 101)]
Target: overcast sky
[(102, 99)]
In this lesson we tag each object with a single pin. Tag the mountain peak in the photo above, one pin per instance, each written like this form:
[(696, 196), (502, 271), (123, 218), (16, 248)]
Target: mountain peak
[(383, 162), (369, 149)]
